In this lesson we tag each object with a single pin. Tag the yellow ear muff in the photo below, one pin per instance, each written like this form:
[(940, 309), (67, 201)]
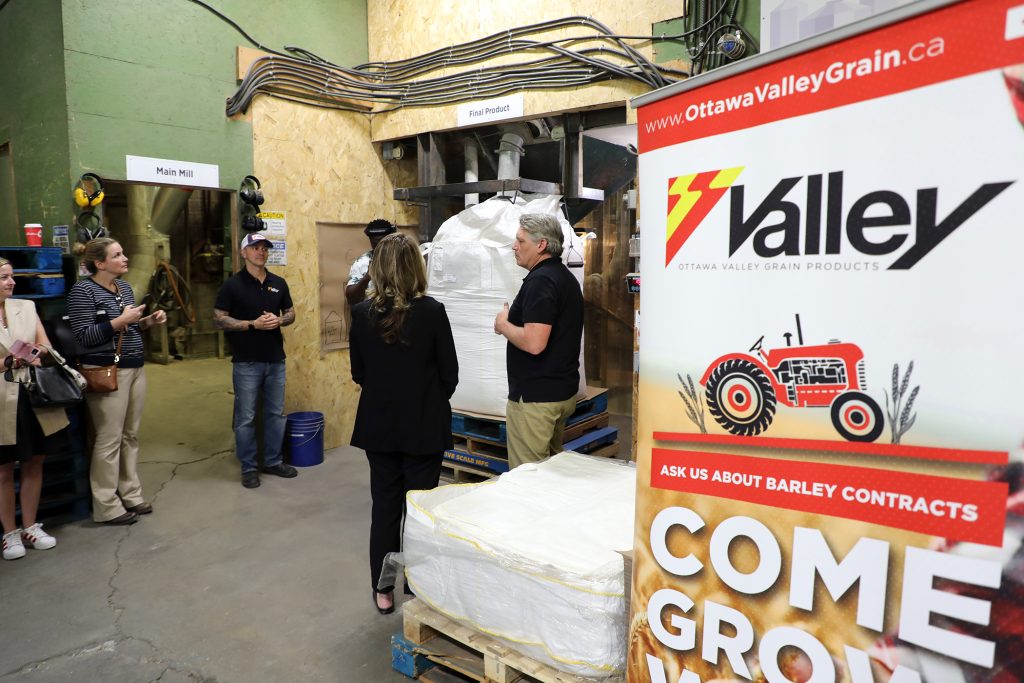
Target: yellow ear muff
[(88, 200), (81, 198)]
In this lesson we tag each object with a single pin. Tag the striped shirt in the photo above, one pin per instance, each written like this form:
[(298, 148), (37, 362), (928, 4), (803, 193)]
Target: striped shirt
[(91, 307)]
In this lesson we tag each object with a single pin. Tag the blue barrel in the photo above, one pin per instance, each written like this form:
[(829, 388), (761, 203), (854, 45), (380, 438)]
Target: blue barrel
[(304, 437)]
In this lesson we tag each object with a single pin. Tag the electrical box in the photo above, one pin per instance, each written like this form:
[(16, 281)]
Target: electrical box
[(633, 283)]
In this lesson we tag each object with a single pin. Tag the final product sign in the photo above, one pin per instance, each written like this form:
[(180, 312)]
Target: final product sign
[(831, 485)]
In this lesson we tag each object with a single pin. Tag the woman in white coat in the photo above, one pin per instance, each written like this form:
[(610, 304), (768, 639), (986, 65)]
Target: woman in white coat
[(27, 434)]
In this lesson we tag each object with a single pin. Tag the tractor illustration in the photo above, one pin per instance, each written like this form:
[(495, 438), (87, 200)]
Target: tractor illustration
[(742, 389)]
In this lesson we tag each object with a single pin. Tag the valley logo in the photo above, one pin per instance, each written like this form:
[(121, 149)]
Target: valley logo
[(690, 200), (788, 222)]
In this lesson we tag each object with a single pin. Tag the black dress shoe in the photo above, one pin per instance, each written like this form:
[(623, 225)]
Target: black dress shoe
[(384, 610), (280, 470), (141, 508), (251, 480), (126, 518)]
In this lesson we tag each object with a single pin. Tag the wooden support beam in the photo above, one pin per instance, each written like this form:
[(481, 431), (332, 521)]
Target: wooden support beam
[(430, 167)]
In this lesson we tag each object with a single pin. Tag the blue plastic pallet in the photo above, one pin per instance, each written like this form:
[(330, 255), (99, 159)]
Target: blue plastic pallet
[(478, 428), (585, 443), (33, 258), (494, 429), (405, 659), (593, 440), (39, 285), (482, 462)]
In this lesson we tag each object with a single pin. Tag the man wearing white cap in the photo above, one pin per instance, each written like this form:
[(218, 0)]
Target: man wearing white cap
[(252, 306)]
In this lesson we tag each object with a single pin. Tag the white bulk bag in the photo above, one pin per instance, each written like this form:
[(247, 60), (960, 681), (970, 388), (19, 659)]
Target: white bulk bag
[(473, 272), (532, 558)]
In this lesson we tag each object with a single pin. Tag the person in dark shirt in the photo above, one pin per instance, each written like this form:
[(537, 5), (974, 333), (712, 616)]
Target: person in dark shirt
[(359, 286), (403, 356), (544, 327), (252, 306)]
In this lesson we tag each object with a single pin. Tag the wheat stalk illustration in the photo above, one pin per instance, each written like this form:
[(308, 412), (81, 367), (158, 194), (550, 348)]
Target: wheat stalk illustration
[(901, 419), (694, 402)]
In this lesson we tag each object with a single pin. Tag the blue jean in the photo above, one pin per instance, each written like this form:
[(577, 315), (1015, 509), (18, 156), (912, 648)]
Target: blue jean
[(248, 380)]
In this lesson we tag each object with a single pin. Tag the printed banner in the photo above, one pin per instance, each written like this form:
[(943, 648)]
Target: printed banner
[(830, 473)]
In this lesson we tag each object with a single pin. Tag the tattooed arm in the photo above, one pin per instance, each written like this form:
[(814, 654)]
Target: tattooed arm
[(222, 321)]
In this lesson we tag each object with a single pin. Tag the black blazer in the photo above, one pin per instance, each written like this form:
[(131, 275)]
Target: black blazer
[(404, 403)]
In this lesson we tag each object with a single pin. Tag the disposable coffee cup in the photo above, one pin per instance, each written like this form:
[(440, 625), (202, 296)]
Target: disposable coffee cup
[(33, 234)]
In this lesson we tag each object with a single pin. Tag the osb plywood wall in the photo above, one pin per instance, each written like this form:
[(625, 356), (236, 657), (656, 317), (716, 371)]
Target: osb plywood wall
[(319, 165), (400, 29)]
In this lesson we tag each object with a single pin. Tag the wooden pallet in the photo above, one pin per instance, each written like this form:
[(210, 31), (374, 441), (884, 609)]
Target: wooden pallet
[(458, 650), (459, 474)]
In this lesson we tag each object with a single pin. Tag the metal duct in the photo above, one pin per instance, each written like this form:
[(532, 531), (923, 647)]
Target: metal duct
[(471, 155), (509, 152), (606, 166), (152, 213)]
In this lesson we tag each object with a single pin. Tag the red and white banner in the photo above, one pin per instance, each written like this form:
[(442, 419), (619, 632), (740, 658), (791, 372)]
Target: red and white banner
[(831, 413)]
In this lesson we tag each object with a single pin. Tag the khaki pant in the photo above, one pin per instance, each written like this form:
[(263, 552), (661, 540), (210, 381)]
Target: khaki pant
[(534, 430), (113, 472)]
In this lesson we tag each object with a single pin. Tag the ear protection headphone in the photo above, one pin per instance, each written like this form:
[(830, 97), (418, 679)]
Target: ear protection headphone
[(87, 200), (88, 227), (249, 194), (252, 223)]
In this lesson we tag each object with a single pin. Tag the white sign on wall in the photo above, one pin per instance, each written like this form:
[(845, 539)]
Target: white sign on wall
[(171, 172), (497, 109)]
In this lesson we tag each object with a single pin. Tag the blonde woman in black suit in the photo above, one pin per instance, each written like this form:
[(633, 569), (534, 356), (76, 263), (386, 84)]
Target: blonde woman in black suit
[(27, 434), (403, 356)]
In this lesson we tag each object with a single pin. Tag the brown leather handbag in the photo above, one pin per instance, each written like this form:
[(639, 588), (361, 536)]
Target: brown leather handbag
[(102, 379)]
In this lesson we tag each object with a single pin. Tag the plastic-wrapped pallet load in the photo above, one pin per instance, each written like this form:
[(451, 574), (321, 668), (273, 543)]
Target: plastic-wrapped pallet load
[(532, 558), (472, 271)]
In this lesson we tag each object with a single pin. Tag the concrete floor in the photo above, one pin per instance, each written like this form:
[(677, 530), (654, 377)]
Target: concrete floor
[(221, 583)]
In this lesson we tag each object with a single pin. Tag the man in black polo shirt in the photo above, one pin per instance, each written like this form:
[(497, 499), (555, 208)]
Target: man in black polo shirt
[(543, 328), (252, 306)]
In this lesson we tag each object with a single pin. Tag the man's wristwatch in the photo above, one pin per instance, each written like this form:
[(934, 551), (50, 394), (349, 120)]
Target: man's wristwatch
[(252, 326)]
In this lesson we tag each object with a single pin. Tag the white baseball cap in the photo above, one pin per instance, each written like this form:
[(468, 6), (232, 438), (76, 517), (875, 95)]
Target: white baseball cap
[(254, 238)]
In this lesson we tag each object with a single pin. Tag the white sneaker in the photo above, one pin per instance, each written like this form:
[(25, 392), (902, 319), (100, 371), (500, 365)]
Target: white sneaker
[(37, 538), (13, 547)]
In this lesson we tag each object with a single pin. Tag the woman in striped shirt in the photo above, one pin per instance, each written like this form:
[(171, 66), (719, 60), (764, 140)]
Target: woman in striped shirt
[(103, 313)]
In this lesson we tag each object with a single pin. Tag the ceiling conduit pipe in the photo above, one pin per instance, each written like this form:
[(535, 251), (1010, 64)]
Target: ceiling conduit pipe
[(471, 154), (509, 152)]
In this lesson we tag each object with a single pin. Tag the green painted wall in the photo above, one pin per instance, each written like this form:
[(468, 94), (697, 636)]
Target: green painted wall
[(86, 82), (33, 115), (748, 13), (151, 78)]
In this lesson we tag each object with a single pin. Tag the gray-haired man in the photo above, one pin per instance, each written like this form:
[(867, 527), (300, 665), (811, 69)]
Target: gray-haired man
[(543, 327)]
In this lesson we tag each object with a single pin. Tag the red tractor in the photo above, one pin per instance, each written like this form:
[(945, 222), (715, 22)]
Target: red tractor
[(742, 389)]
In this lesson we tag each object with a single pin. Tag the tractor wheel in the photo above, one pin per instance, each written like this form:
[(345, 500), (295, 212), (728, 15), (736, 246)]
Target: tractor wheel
[(857, 417), (740, 397)]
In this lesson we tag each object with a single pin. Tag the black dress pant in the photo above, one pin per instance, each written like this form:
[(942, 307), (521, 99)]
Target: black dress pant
[(392, 475)]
